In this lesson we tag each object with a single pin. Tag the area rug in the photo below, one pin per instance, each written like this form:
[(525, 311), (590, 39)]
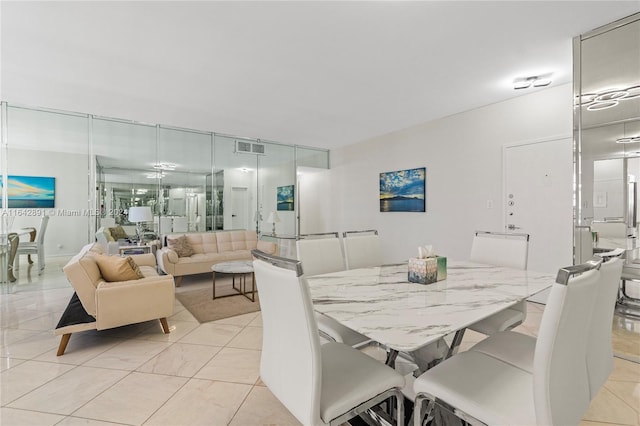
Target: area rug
[(204, 309)]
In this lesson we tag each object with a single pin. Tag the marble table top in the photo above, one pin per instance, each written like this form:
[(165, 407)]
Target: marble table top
[(233, 267), (380, 303)]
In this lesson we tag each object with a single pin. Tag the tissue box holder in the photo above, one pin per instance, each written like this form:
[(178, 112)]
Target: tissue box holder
[(427, 271)]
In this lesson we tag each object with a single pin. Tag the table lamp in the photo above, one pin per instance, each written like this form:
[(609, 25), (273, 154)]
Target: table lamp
[(273, 218), (139, 215)]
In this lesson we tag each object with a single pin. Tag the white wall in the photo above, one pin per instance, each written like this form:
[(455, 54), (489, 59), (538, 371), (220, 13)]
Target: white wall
[(609, 188), (314, 199), (463, 157)]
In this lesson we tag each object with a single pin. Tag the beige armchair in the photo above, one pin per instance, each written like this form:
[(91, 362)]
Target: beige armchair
[(98, 304)]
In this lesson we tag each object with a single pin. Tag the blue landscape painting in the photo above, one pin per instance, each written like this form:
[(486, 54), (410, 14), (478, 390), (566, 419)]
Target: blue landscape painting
[(30, 192), (403, 191), (285, 197)]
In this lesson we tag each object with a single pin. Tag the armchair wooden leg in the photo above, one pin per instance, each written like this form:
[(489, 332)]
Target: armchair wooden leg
[(165, 325), (63, 343), (178, 281)]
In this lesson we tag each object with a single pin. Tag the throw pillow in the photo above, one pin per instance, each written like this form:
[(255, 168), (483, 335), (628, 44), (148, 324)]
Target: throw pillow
[(114, 268), (181, 246), (135, 267), (118, 233)]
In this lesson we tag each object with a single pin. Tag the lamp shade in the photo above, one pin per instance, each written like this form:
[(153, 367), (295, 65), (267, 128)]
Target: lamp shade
[(140, 214), (273, 218)]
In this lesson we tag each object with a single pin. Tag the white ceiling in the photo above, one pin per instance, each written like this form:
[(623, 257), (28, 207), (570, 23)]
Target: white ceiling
[(321, 74)]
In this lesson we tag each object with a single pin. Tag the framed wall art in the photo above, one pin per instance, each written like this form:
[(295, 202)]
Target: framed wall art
[(30, 192), (403, 190), (285, 195)]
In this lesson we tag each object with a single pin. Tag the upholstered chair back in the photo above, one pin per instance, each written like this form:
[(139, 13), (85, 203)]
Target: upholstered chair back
[(500, 249), (617, 229), (362, 251), (84, 275), (290, 364), (320, 255), (44, 221), (560, 378), (599, 350)]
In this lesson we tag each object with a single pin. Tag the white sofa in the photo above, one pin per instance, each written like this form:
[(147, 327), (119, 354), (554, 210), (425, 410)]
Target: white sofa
[(210, 248), (99, 304)]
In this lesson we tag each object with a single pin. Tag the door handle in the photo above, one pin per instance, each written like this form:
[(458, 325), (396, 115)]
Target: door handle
[(512, 227)]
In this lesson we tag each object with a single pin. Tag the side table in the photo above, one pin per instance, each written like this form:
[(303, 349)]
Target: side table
[(134, 249), (239, 267)]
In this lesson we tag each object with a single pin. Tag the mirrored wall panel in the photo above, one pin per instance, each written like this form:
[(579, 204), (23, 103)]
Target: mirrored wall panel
[(47, 169), (86, 172), (607, 134)]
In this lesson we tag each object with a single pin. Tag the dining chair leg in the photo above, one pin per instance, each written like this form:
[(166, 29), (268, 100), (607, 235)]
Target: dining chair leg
[(419, 410)]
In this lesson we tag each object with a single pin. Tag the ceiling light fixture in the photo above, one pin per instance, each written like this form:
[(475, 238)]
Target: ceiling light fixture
[(630, 139), (532, 81), (541, 82), (165, 166), (155, 175), (609, 98)]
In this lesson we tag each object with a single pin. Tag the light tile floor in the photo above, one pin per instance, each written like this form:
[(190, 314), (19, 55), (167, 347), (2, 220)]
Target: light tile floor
[(198, 374)]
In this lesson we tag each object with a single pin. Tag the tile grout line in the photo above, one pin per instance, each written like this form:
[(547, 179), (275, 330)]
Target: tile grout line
[(635, 410)]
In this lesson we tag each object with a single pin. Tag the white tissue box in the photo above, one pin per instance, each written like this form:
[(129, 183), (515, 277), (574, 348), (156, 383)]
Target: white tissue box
[(428, 270)]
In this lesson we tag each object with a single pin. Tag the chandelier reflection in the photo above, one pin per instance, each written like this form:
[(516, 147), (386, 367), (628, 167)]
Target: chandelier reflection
[(608, 98)]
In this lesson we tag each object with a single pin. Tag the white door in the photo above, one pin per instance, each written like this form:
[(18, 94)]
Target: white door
[(239, 204), (538, 200)]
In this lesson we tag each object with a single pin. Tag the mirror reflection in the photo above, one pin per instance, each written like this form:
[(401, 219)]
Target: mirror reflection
[(608, 130), (191, 181)]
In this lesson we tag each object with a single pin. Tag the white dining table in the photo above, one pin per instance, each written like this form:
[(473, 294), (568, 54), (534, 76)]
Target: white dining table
[(382, 304)]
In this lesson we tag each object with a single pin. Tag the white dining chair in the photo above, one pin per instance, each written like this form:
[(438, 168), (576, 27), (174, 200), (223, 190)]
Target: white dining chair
[(319, 384), (518, 349), (610, 228), (501, 249), (478, 387), (600, 348), (34, 247), (584, 242), (322, 254), (362, 249)]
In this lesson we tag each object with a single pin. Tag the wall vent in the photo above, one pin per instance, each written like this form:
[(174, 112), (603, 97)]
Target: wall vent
[(249, 147)]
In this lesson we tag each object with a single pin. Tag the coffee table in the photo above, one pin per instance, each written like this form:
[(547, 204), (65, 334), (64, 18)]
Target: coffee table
[(238, 267)]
